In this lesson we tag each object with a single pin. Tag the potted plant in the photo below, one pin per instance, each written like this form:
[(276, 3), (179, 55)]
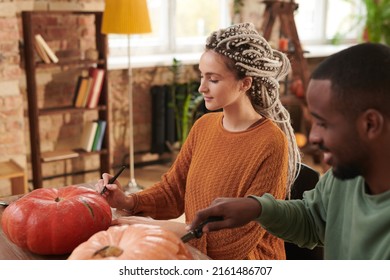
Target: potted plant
[(377, 21), (185, 101), (374, 22)]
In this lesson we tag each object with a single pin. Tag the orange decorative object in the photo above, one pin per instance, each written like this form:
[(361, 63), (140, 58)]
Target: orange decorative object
[(283, 44), (296, 88), (301, 139), (132, 242), (50, 221)]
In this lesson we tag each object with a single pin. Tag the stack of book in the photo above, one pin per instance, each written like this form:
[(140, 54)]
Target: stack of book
[(88, 88), (44, 51), (93, 134)]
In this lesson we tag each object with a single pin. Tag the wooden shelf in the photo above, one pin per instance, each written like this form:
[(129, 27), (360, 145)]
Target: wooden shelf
[(69, 62), (69, 109), (284, 11), (53, 156), (34, 112), (294, 102)]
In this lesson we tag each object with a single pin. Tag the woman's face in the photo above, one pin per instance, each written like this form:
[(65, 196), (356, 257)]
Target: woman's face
[(218, 84)]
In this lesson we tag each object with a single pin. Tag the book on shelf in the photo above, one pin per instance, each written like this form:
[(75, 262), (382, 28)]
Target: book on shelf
[(59, 155), (88, 136), (42, 43), (88, 88), (76, 90), (41, 53), (98, 140), (88, 92), (97, 75), (81, 90)]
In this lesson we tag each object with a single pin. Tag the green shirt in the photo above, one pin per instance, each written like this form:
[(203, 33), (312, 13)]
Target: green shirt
[(336, 214)]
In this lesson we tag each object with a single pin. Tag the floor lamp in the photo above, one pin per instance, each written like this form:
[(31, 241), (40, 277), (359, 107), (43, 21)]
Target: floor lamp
[(127, 17)]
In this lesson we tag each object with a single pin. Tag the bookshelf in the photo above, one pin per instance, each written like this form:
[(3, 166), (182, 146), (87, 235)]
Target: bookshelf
[(289, 43), (285, 12), (294, 101), (36, 112)]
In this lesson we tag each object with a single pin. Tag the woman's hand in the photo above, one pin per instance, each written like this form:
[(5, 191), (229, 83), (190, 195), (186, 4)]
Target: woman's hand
[(114, 193)]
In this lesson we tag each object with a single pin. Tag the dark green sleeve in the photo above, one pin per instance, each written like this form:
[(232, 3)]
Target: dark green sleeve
[(298, 221)]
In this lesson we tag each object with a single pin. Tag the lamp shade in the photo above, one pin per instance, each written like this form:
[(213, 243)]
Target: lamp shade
[(126, 17)]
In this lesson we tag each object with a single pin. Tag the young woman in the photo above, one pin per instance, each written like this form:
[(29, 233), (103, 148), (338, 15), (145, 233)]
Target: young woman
[(248, 148)]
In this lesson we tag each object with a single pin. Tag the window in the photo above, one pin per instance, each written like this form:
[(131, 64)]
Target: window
[(195, 24), (180, 28), (323, 21), (176, 29)]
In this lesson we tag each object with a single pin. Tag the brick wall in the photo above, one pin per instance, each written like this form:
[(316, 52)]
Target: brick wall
[(143, 79), (12, 145)]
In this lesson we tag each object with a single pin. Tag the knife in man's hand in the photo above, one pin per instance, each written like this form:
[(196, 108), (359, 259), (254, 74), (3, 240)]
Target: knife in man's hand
[(198, 231)]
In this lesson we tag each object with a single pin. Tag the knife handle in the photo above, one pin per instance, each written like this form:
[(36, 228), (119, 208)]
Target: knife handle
[(198, 232)]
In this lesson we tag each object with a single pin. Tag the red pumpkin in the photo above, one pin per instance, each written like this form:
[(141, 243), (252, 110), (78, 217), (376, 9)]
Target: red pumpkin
[(53, 221), (132, 242)]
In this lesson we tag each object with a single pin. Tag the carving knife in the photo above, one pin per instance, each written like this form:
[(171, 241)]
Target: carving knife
[(4, 203), (198, 231)]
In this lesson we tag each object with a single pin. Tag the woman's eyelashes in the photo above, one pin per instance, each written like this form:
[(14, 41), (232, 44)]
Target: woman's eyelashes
[(210, 79)]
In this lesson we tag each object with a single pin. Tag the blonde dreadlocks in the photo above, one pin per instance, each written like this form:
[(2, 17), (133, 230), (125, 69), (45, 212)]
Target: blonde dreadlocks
[(249, 54)]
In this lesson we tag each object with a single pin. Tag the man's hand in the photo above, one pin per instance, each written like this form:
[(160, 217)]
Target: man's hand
[(236, 212)]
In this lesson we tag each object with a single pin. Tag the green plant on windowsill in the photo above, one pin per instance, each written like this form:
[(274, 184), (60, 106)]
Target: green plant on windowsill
[(237, 6), (378, 21), (374, 22), (185, 101)]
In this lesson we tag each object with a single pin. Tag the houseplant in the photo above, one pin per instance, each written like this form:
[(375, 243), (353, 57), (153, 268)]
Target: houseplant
[(377, 21), (185, 101), (373, 21)]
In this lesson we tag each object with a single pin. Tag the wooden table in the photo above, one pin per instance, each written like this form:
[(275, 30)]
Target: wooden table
[(10, 251)]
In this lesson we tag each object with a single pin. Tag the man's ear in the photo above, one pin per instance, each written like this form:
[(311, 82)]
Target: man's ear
[(371, 123), (246, 83)]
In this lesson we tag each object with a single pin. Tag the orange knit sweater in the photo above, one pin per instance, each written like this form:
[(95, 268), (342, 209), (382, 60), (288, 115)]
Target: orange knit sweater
[(217, 163)]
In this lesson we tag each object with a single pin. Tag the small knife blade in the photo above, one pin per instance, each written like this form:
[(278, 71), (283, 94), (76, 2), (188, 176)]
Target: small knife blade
[(4, 203), (198, 231), (188, 236)]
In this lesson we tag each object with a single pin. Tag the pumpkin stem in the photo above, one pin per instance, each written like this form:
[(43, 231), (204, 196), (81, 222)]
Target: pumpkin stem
[(109, 251)]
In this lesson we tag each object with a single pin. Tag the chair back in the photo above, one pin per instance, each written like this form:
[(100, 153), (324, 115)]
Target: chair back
[(306, 180)]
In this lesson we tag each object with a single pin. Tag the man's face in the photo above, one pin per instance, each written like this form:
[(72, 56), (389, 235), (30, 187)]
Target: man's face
[(335, 134)]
